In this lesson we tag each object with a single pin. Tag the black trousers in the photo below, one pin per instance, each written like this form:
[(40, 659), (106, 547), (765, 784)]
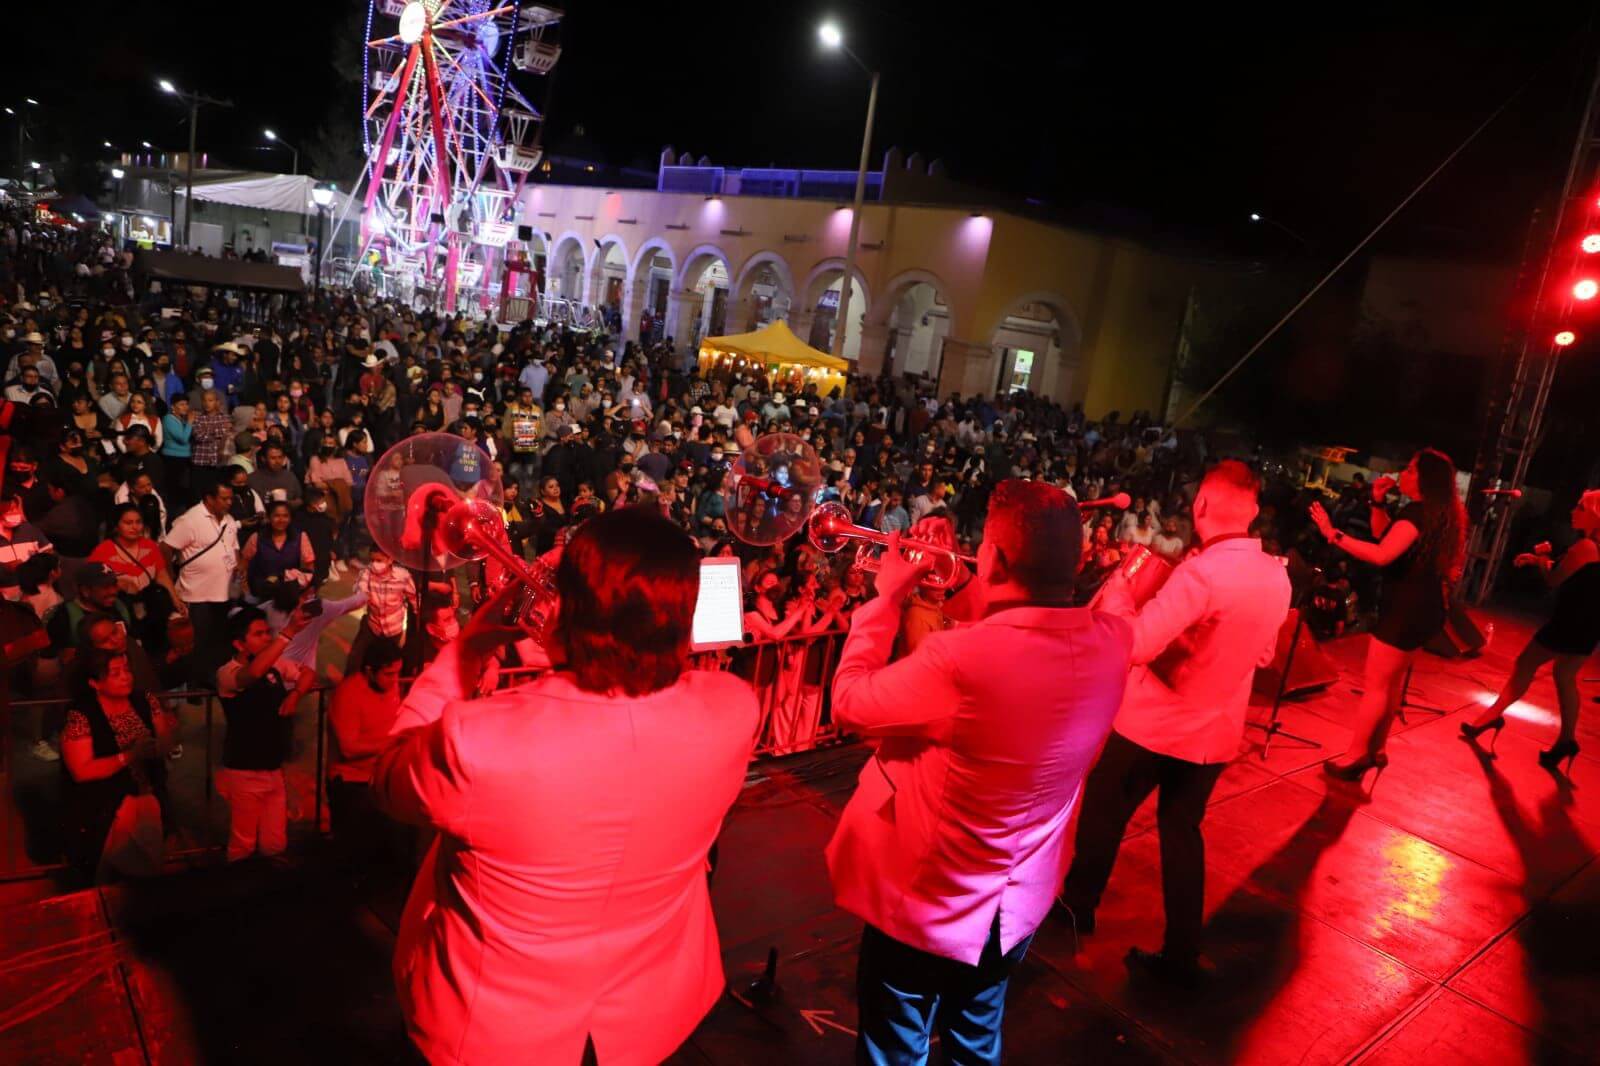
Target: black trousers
[(1119, 783), (211, 648)]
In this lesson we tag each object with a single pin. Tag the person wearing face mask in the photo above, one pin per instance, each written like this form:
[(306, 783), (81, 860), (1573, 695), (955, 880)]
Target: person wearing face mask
[(361, 713), (329, 472), (391, 594), (20, 541)]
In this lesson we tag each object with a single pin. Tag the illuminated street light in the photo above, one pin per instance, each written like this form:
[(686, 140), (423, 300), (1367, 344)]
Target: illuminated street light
[(1254, 217), (1586, 289), (30, 100), (168, 87), (322, 195), (1565, 338), (272, 136), (147, 144), (117, 173), (1591, 243), (832, 38)]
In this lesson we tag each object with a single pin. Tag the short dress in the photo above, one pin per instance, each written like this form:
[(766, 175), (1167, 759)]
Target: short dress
[(1412, 601), (1574, 626)]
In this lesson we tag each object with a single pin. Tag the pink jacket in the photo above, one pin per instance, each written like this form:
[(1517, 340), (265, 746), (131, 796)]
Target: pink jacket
[(566, 895), (987, 732), (1196, 647)]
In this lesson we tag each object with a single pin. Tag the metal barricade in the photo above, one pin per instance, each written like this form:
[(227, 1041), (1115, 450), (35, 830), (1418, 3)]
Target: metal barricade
[(792, 678), (31, 821)]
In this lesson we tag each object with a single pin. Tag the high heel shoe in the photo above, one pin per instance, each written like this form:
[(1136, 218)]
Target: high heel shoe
[(1551, 758), (1356, 771), (1473, 732)]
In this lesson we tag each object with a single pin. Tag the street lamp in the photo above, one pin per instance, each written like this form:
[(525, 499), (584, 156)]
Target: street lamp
[(322, 196), (1255, 217), (275, 139), (832, 38), (194, 100)]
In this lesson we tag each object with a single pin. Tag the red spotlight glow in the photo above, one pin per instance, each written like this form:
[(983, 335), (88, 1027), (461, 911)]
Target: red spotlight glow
[(1586, 289), (1564, 338), (1590, 243)]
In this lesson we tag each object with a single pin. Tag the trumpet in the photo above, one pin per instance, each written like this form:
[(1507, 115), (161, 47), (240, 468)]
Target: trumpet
[(431, 507), (830, 529)]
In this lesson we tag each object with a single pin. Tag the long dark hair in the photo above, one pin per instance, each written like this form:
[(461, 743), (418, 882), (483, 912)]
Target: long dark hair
[(628, 581), (1443, 537)]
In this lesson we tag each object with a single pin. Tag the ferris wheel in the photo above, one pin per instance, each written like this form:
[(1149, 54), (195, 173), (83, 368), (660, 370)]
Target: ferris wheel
[(449, 140)]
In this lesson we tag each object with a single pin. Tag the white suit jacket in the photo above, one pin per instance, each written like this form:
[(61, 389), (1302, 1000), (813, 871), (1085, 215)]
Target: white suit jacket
[(1196, 646), (987, 731), (566, 893)]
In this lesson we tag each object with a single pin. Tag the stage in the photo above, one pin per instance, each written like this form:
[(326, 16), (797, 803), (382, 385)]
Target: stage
[(1450, 915)]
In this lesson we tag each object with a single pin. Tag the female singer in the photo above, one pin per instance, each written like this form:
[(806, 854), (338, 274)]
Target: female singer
[(564, 902), (1568, 638), (1422, 552)]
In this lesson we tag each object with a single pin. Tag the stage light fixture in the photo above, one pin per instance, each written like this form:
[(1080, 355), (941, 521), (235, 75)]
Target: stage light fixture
[(1586, 289), (1565, 338), (1591, 243)]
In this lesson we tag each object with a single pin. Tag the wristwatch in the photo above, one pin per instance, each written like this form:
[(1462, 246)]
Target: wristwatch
[(1338, 536)]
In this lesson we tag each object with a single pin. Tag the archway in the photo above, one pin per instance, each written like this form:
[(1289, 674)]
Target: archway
[(648, 292), (566, 269), (821, 302), (1036, 344), (699, 302), (918, 321), (763, 292), (608, 273)]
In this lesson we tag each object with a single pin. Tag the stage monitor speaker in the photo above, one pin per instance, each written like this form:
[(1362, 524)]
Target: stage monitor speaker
[(1311, 669), (524, 233), (1461, 637)]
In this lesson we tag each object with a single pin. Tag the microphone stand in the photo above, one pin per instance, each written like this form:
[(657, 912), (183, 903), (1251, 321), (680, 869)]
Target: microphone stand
[(1273, 727)]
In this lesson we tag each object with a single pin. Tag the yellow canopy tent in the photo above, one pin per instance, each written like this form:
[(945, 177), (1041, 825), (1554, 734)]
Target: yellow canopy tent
[(793, 363)]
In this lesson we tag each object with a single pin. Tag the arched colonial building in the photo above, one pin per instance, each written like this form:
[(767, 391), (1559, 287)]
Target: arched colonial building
[(981, 299)]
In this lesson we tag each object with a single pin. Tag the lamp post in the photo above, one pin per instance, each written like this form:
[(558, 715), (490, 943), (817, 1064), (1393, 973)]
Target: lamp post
[(322, 196), (194, 100), (294, 166), (20, 113), (831, 37), (1254, 217)]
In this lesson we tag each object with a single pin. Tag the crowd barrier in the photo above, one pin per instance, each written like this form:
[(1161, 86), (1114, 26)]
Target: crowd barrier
[(791, 676)]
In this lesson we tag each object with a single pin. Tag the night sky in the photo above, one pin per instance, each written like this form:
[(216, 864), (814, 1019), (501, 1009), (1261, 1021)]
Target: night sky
[(1138, 116)]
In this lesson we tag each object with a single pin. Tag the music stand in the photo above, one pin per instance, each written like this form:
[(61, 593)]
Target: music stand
[(1273, 727), (1420, 708)]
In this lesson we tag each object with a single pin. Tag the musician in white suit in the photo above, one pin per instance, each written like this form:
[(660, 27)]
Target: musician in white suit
[(562, 915), (1196, 647), (951, 847)]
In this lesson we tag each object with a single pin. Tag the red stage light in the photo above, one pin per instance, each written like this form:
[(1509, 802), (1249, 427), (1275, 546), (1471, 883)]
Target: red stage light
[(1565, 337), (1591, 243), (1586, 289)]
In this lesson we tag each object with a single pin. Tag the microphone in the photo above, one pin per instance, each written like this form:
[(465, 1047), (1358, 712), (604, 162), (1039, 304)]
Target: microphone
[(1121, 502), (1510, 494)]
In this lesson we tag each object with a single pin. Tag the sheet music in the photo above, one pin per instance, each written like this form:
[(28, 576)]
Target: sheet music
[(719, 611)]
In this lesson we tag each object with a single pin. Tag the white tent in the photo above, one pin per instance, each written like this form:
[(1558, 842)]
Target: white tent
[(290, 193)]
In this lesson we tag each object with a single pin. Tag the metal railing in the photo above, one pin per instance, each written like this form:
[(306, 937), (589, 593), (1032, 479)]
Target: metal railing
[(791, 676)]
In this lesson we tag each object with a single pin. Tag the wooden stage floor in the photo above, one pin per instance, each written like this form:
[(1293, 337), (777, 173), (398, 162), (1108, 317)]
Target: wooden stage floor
[(1450, 914)]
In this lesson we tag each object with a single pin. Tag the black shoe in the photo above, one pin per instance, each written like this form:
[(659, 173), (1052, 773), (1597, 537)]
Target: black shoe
[(1356, 771), (1158, 966), (1473, 732), (1551, 758), (1082, 918)]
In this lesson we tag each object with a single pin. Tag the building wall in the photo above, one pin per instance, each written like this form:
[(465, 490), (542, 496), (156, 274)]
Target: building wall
[(1117, 306)]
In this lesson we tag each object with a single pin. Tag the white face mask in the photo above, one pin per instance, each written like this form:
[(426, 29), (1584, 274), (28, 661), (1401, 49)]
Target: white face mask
[(108, 351), (206, 383), (127, 342), (381, 568), (296, 393)]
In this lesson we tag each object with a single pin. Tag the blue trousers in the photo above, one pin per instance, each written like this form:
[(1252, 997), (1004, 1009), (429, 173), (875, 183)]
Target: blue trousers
[(904, 994)]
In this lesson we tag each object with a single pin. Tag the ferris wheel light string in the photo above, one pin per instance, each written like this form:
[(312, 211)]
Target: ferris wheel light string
[(366, 77)]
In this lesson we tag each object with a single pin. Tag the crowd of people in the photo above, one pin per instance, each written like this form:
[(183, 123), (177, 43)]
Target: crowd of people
[(183, 508)]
